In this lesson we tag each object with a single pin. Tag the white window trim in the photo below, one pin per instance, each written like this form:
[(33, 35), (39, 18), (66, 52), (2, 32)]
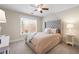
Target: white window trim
[(21, 19)]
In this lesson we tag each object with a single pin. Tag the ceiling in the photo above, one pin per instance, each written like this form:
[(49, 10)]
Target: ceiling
[(28, 9)]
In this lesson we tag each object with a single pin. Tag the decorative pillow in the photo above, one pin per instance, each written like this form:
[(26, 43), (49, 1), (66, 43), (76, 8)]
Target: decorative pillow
[(54, 30), (50, 30)]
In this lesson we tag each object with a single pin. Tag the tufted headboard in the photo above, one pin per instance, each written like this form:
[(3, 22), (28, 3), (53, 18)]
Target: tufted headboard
[(54, 24)]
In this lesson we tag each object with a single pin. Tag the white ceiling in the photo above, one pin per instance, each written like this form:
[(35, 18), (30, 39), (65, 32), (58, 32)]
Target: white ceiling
[(27, 8)]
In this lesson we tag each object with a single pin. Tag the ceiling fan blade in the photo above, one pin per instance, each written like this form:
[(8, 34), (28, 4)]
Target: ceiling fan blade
[(45, 8), (35, 10)]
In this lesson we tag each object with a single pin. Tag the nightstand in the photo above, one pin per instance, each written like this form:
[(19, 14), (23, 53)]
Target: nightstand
[(69, 39), (4, 44)]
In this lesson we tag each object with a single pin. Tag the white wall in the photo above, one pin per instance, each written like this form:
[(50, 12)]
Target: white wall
[(12, 27)]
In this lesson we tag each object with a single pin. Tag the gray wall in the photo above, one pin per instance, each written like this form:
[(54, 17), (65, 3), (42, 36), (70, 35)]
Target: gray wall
[(12, 27)]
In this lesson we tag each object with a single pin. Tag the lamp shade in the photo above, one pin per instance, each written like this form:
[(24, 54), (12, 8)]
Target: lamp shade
[(2, 16), (70, 26)]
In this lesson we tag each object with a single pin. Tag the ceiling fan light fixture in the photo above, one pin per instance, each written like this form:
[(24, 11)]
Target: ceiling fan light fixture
[(39, 9)]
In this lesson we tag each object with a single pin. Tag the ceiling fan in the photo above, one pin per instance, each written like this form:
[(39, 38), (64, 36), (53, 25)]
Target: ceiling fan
[(40, 7)]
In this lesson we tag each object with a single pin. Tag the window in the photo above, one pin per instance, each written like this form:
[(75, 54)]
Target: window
[(28, 25)]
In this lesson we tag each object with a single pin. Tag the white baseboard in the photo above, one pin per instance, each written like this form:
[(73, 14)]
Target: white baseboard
[(15, 40)]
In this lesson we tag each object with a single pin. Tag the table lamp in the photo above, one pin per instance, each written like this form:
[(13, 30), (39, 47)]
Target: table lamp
[(2, 17)]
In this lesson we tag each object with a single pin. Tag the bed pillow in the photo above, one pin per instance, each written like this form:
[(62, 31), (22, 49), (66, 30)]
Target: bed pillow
[(47, 30), (50, 30), (54, 30)]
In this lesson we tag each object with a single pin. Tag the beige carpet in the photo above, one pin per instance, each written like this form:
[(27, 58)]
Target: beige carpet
[(21, 48)]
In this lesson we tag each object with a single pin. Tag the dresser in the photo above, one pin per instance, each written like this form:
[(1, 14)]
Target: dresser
[(4, 44)]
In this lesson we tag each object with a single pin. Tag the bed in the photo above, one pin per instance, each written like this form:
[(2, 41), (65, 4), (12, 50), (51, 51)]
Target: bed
[(42, 42)]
